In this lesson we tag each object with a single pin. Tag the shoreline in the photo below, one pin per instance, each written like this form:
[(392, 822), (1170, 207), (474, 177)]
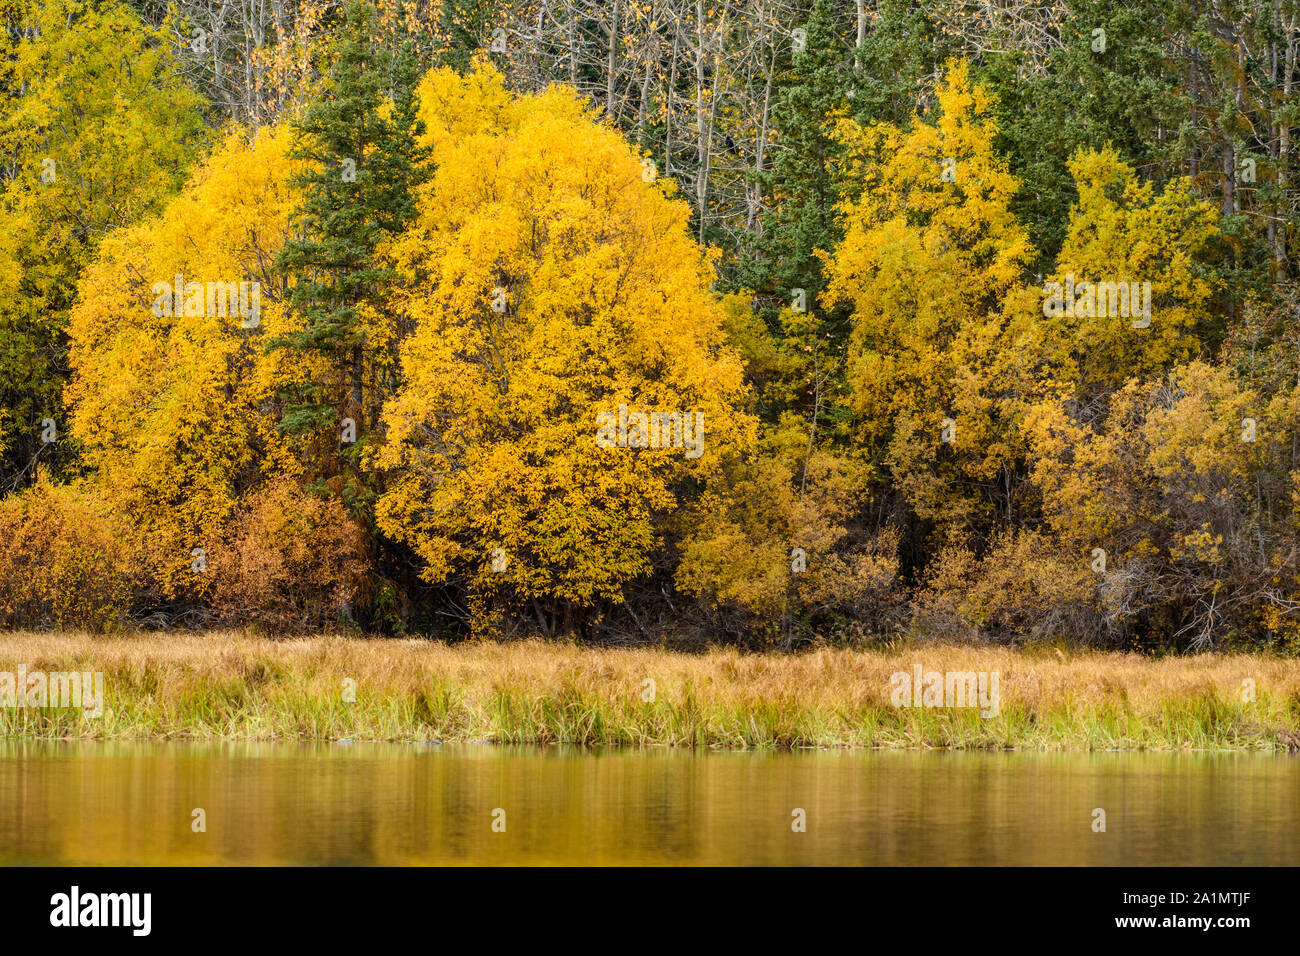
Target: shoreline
[(231, 686)]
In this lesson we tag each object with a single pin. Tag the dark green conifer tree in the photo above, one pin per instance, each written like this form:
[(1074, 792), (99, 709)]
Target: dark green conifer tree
[(781, 265), (359, 138)]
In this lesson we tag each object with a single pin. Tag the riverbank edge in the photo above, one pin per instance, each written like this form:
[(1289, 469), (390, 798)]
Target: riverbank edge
[(237, 686)]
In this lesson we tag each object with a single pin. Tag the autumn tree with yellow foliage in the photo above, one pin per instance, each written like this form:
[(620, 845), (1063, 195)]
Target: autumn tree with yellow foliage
[(97, 128), (549, 284), (1175, 501), (1122, 232), (933, 264), (176, 409)]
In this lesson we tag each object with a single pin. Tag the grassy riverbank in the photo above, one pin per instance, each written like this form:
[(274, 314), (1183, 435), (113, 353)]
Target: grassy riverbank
[(232, 686)]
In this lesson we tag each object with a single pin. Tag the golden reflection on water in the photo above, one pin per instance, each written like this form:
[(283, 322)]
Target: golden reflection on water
[(400, 804)]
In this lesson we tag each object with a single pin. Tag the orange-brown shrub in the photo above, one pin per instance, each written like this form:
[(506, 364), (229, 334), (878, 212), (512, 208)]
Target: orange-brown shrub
[(292, 561), (65, 561), (1026, 586)]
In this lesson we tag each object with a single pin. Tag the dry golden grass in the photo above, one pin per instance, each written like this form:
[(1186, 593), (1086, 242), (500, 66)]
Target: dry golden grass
[(232, 685)]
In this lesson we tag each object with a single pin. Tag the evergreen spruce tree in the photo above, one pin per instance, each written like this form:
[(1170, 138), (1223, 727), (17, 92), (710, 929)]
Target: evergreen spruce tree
[(1113, 89), (905, 48), (781, 264), (800, 183), (359, 138), (466, 24)]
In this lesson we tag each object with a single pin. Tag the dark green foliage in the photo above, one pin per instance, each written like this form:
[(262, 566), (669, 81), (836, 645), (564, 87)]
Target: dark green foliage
[(358, 136)]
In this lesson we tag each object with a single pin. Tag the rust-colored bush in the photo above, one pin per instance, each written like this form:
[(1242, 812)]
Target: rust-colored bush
[(64, 561), (291, 561)]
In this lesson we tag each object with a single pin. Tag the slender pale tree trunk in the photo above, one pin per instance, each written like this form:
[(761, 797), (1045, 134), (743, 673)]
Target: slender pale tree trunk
[(861, 35), (612, 63)]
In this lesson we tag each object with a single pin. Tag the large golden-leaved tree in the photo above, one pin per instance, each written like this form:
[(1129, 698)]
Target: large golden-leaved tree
[(554, 291), (944, 342), (97, 129), (174, 399)]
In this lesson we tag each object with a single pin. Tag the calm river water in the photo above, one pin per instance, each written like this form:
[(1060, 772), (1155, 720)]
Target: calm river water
[(108, 803)]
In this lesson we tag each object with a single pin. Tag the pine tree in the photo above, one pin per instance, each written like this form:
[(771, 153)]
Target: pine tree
[(801, 184), (781, 265), (466, 25), (358, 137), (903, 52)]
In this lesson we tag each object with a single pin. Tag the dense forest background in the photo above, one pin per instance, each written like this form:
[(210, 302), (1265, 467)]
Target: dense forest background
[(868, 245)]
